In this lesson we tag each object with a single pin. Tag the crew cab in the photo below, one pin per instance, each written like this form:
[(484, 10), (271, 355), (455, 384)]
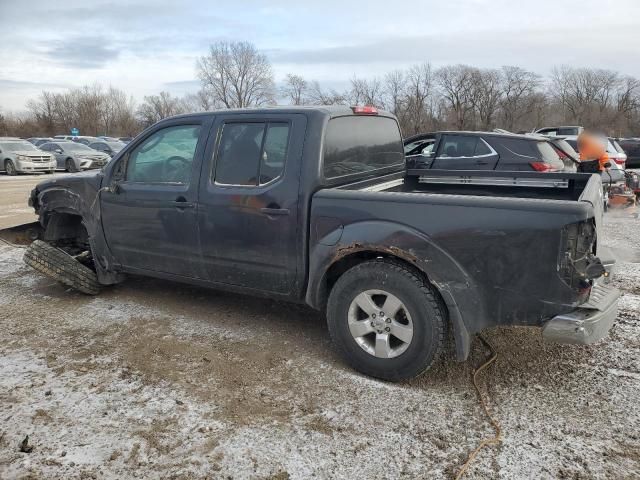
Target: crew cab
[(315, 205)]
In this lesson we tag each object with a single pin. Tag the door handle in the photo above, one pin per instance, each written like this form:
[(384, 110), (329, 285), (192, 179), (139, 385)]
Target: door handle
[(275, 211), (181, 203), (482, 162)]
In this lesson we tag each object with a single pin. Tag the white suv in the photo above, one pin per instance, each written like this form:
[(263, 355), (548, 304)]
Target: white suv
[(20, 156)]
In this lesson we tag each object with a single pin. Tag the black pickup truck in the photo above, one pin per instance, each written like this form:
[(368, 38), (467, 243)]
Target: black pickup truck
[(315, 205)]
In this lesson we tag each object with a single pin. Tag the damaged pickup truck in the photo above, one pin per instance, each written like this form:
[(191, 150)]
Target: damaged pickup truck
[(316, 205)]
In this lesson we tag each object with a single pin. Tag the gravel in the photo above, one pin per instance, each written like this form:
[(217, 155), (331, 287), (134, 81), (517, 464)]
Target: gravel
[(159, 380)]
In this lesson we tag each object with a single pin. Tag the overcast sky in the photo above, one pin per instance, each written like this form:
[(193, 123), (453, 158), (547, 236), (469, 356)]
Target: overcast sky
[(145, 46)]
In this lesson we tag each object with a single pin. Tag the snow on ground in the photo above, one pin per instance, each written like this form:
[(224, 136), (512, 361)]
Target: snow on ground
[(158, 380)]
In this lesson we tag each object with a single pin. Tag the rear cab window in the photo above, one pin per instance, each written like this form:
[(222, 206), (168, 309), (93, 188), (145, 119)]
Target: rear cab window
[(359, 144)]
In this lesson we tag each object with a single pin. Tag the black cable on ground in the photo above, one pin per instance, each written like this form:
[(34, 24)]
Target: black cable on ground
[(497, 438)]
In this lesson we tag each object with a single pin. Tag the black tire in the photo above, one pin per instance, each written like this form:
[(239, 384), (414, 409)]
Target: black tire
[(421, 301), (10, 168), (60, 266), (70, 166), (49, 172)]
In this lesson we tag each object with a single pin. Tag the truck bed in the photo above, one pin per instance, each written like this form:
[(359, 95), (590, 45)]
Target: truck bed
[(531, 185), (496, 242)]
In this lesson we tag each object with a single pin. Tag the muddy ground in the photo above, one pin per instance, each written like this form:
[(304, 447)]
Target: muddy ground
[(153, 379)]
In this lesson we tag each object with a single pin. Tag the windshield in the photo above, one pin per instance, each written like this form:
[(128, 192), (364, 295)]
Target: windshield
[(17, 146), (115, 146), (617, 146), (75, 147)]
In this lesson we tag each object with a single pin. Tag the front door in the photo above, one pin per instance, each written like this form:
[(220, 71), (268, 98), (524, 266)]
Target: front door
[(249, 216), (150, 217)]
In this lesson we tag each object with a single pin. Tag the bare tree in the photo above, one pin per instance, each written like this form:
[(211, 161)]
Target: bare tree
[(366, 92), (486, 96), (457, 83), (156, 107), (319, 96), (295, 89), (518, 100), (395, 86), (236, 75), (200, 101), (418, 96)]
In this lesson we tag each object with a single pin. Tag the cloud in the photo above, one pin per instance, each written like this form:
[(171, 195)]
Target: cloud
[(8, 84), (84, 52)]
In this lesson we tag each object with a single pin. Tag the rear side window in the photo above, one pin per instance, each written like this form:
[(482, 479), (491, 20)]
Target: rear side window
[(251, 154), (356, 144)]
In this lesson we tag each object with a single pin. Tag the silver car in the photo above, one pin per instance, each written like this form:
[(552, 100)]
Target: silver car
[(74, 157), (20, 156)]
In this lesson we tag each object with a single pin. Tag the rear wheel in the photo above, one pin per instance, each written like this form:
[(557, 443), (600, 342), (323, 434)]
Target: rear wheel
[(386, 320), (59, 265), (10, 168)]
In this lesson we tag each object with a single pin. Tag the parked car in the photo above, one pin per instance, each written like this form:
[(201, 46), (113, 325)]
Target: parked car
[(125, 139), (21, 156), (37, 141), (85, 140), (482, 151), (63, 137), (631, 147), (108, 147), (314, 205), (74, 157), (107, 138), (560, 131)]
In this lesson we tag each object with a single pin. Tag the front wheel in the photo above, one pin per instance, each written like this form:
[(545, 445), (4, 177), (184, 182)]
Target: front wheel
[(70, 166), (10, 168), (386, 320)]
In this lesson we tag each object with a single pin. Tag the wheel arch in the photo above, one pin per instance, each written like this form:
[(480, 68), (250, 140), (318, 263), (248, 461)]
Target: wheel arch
[(457, 290)]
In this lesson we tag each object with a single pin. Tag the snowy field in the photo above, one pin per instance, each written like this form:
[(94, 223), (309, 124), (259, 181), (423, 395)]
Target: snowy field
[(159, 380)]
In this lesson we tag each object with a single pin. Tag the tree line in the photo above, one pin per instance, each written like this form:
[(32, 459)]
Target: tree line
[(459, 97)]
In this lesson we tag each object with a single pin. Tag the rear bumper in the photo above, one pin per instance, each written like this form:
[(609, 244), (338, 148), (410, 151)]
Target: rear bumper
[(588, 323)]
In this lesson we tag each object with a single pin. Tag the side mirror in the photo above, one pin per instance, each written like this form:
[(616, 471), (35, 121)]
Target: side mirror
[(58, 150), (607, 165)]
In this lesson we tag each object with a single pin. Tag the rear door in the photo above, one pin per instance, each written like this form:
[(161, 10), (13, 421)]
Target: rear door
[(150, 219), (249, 215), (464, 152)]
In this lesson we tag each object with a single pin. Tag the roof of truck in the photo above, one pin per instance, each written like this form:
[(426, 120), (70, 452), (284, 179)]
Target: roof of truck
[(331, 110)]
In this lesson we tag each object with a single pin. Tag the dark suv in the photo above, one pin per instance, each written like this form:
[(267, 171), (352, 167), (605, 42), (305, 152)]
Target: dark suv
[(631, 147), (482, 151)]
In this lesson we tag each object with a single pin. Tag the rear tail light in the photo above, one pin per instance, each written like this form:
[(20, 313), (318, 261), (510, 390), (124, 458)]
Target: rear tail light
[(577, 264), (541, 166), (365, 110), (620, 161)]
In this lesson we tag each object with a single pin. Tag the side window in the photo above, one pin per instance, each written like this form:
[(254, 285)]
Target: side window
[(165, 157), (251, 153), (514, 149), (482, 148), (456, 146), (46, 147), (274, 152)]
